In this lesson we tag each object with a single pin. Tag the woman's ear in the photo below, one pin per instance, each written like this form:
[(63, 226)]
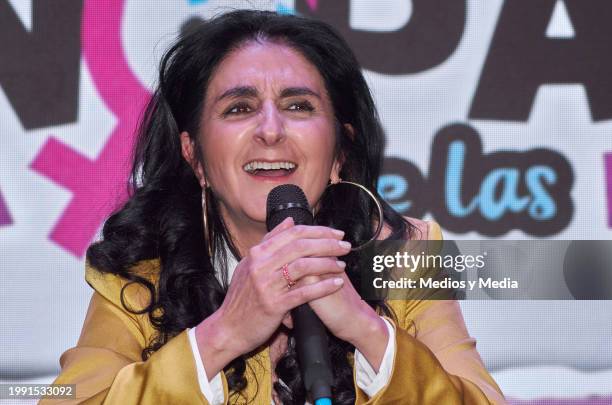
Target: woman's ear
[(340, 158), (335, 172), (189, 154), (350, 131)]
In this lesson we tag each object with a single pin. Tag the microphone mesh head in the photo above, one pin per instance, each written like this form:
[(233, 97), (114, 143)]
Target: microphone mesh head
[(287, 200)]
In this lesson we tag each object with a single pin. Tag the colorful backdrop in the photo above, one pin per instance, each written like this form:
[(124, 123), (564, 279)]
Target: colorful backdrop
[(498, 122)]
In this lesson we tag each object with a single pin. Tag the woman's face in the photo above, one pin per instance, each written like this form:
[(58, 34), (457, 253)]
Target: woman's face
[(267, 120)]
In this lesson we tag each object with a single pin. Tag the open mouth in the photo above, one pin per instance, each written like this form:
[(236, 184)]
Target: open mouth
[(270, 169)]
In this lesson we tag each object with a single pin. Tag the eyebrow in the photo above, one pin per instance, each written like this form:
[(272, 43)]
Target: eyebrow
[(298, 91), (250, 91), (240, 91)]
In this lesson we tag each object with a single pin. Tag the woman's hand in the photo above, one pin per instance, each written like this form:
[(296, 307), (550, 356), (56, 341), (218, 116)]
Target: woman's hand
[(350, 318), (258, 297)]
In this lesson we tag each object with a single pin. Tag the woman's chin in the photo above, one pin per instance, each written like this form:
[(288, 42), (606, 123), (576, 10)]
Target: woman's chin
[(256, 215)]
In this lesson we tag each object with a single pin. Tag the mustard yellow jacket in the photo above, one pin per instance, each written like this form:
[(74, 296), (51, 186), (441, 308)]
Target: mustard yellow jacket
[(438, 364)]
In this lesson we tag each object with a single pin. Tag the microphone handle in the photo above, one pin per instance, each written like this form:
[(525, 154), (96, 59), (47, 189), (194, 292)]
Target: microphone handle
[(311, 341), (313, 353)]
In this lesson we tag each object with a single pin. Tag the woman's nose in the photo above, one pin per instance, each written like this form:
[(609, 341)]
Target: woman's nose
[(270, 130)]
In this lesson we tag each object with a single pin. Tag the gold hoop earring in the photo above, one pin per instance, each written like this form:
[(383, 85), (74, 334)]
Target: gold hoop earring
[(207, 238), (378, 207)]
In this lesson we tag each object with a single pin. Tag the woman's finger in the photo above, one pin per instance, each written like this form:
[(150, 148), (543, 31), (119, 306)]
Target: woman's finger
[(288, 320), (285, 224), (322, 248), (303, 294), (286, 236), (307, 248), (312, 266)]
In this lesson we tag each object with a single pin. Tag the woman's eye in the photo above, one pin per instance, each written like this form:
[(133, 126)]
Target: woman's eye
[(301, 106), (238, 109)]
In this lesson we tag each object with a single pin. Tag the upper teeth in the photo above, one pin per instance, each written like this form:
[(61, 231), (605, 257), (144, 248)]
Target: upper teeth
[(252, 166)]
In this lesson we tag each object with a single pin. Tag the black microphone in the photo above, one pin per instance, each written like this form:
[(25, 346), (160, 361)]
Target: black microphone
[(288, 200)]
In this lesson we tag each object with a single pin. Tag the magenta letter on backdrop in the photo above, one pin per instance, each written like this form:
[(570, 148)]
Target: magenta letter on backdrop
[(5, 216), (97, 185)]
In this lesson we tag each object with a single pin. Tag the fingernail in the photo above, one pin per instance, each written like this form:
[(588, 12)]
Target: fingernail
[(338, 232), (338, 281), (340, 264), (344, 244)]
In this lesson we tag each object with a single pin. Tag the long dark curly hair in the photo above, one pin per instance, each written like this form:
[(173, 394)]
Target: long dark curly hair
[(162, 219)]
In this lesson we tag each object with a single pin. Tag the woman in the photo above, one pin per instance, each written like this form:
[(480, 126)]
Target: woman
[(245, 102)]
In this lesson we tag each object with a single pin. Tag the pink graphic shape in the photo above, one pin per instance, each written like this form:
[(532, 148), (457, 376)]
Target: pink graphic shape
[(608, 168), (98, 185), (312, 4), (5, 216)]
